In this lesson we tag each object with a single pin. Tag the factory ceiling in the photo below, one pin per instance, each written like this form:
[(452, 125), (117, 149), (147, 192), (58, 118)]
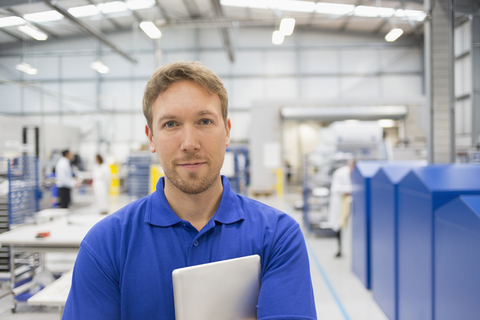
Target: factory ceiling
[(56, 19)]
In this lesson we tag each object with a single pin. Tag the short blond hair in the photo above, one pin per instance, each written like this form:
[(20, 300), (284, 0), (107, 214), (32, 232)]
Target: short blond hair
[(173, 72)]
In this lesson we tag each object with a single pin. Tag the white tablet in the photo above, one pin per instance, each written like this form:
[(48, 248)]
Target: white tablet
[(223, 290)]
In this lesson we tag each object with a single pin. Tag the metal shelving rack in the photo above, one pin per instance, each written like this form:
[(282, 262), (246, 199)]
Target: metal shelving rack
[(241, 180), (138, 165), (17, 207)]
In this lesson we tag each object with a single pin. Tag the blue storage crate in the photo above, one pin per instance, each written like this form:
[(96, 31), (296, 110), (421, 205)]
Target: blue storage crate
[(384, 199), (457, 259), (361, 175), (420, 193)]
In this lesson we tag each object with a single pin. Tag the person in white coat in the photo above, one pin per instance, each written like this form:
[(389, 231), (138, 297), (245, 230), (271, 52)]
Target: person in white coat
[(64, 179), (341, 186), (101, 184)]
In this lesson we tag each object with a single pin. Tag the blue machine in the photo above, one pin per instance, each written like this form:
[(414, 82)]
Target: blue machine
[(361, 176), (383, 233), (420, 193), (457, 262)]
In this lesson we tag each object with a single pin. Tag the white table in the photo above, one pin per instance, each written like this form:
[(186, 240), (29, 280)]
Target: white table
[(55, 294), (65, 236)]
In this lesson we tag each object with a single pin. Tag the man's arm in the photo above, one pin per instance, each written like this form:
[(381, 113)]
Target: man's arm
[(94, 293), (286, 291)]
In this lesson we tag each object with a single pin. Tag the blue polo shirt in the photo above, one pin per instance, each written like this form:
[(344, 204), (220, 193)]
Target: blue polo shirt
[(125, 263)]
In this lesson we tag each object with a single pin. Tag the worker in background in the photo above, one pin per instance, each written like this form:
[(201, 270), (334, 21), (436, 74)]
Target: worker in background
[(124, 267), (64, 179), (339, 204), (101, 184)]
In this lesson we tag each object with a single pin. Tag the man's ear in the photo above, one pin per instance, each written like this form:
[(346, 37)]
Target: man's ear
[(149, 134), (228, 127)]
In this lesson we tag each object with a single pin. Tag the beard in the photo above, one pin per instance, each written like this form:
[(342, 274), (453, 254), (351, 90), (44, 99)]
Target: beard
[(194, 183)]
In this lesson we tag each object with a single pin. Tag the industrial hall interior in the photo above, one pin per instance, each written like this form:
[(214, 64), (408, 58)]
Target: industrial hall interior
[(357, 121)]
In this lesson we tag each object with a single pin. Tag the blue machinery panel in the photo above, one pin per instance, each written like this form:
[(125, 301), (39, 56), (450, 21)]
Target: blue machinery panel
[(361, 177), (420, 193), (457, 259), (384, 262)]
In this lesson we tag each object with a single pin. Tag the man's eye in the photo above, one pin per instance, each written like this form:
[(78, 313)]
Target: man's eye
[(170, 124), (205, 122)]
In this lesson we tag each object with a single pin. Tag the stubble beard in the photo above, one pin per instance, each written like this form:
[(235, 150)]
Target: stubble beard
[(194, 184)]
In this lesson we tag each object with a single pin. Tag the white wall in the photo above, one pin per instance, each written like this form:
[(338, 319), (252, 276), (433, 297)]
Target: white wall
[(310, 65)]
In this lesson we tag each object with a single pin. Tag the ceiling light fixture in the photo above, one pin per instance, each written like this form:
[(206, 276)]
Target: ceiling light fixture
[(151, 29), (11, 21), (286, 26), (33, 32), (140, 4), (25, 67), (393, 35), (326, 8), (112, 7), (44, 16), (99, 67), (373, 12), (84, 11), (386, 123), (277, 37), (334, 8)]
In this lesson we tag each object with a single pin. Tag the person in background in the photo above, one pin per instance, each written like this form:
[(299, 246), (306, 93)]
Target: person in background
[(64, 178), (124, 266), (338, 208), (101, 184)]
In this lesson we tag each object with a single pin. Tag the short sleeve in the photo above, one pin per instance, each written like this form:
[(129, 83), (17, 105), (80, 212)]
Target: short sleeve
[(286, 291), (94, 293)]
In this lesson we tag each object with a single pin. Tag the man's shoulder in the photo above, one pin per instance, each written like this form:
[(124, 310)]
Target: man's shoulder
[(255, 210), (115, 224)]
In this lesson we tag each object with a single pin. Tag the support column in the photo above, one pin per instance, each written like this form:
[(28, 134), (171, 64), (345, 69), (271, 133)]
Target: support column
[(439, 63), (475, 81)]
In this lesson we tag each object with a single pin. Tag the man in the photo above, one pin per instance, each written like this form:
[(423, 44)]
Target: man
[(64, 178), (124, 266)]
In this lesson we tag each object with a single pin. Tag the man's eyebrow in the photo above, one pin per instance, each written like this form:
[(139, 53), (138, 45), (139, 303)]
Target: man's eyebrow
[(204, 112), (167, 117)]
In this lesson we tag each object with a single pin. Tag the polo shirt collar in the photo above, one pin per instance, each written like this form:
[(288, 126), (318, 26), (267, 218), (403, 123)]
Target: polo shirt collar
[(160, 214)]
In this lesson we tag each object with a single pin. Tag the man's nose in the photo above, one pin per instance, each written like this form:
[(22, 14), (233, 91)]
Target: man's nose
[(190, 139)]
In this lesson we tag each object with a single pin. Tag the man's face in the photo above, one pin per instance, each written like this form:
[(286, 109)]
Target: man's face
[(189, 135)]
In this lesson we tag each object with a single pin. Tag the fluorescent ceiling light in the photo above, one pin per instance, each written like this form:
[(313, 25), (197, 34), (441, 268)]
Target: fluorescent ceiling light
[(11, 21), (277, 37), (112, 7), (366, 11), (84, 11), (140, 4), (393, 35), (286, 26), (295, 6), (416, 15), (386, 123), (45, 16), (25, 67), (334, 8), (151, 29), (99, 67), (33, 32)]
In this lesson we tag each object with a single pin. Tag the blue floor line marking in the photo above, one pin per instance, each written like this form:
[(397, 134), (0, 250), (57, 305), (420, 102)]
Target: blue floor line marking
[(327, 282)]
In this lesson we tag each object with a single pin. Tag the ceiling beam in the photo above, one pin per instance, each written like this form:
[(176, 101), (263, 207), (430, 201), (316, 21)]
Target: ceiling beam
[(111, 20), (192, 8), (89, 30), (227, 43), (163, 11)]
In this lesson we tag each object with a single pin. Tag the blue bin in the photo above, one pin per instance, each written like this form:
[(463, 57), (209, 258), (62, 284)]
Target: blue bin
[(457, 259), (384, 199), (420, 193), (361, 175)]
